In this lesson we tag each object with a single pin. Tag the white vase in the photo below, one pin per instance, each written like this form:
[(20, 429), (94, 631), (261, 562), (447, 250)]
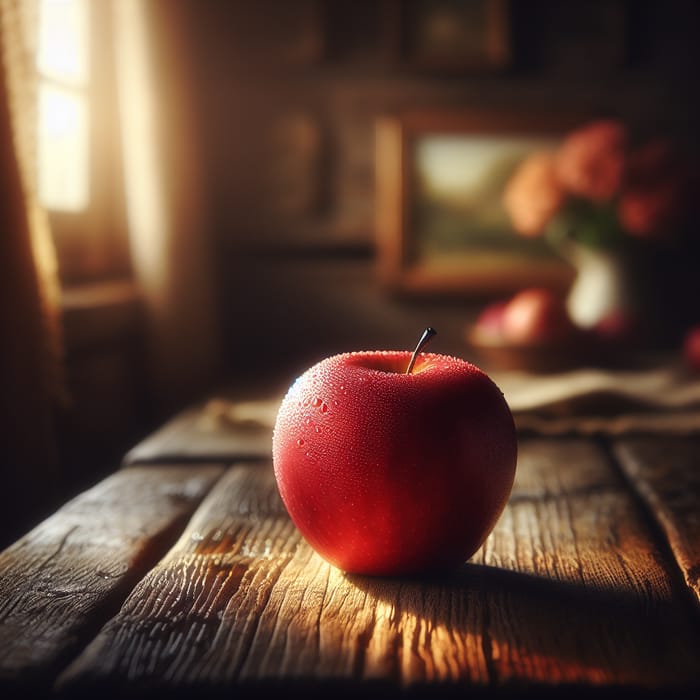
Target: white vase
[(602, 285)]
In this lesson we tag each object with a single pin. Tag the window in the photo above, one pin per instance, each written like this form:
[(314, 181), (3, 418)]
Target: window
[(62, 144), (78, 148)]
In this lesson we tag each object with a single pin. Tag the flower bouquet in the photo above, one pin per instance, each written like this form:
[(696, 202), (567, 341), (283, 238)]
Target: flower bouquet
[(603, 202), (600, 200)]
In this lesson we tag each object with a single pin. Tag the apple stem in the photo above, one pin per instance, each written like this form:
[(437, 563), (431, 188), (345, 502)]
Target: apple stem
[(428, 334)]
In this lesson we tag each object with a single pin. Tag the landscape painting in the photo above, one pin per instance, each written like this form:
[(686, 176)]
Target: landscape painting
[(443, 225)]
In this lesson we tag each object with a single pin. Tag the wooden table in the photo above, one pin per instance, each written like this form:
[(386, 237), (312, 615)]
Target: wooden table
[(182, 572)]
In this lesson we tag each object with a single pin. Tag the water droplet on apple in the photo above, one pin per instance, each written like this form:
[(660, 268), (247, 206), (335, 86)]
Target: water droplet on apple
[(317, 402), (324, 408), (336, 402), (307, 421), (300, 442), (318, 428)]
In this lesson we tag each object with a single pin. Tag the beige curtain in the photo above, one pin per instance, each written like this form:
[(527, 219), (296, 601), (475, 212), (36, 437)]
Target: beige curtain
[(170, 249), (170, 253), (30, 342)]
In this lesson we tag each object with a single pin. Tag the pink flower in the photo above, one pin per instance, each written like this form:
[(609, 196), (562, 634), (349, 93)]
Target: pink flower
[(652, 198), (533, 194), (591, 160)]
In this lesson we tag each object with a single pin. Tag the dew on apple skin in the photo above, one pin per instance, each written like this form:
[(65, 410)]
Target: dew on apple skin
[(301, 442), (317, 429), (317, 402), (324, 408)]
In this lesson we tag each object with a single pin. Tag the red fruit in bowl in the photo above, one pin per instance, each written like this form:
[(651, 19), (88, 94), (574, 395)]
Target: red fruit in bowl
[(691, 347), (489, 323), (536, 315), (616, 326), (390, 468)]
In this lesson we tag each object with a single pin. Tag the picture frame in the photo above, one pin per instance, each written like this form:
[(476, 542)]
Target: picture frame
[(270, 34), (586, 39), (441, 227), (454, 35)]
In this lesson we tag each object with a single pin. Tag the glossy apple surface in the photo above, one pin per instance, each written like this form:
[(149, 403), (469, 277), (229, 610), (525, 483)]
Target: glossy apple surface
[(388, 473)]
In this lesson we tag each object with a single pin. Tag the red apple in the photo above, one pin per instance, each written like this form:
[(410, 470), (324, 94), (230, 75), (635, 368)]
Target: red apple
[(617, 326), (391, 468), (536, 315), (489, 323), (691, 347)]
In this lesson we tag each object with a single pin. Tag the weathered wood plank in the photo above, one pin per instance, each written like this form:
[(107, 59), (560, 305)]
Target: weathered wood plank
[(218, 429), (666, 475), (569, 589), (61, 581)]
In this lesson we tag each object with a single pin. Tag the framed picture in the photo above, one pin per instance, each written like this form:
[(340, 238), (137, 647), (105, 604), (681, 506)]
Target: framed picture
[(586, 38), (441, 225), (292, 149), (454, 35), (270, 33)]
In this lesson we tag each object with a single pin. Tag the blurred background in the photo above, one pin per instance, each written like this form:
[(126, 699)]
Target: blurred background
[(224, 192)]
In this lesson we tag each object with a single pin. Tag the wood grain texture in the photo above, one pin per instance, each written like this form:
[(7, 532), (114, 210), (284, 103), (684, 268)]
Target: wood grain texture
[(569, 589), (219, 429), (666, 475), (62, 580)]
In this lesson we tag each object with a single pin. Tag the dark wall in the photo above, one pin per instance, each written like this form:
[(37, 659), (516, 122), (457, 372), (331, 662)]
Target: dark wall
[(288, 94)]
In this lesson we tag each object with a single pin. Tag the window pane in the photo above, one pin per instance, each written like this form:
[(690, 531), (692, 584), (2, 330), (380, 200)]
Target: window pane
[(63, 40), (62, 149)]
